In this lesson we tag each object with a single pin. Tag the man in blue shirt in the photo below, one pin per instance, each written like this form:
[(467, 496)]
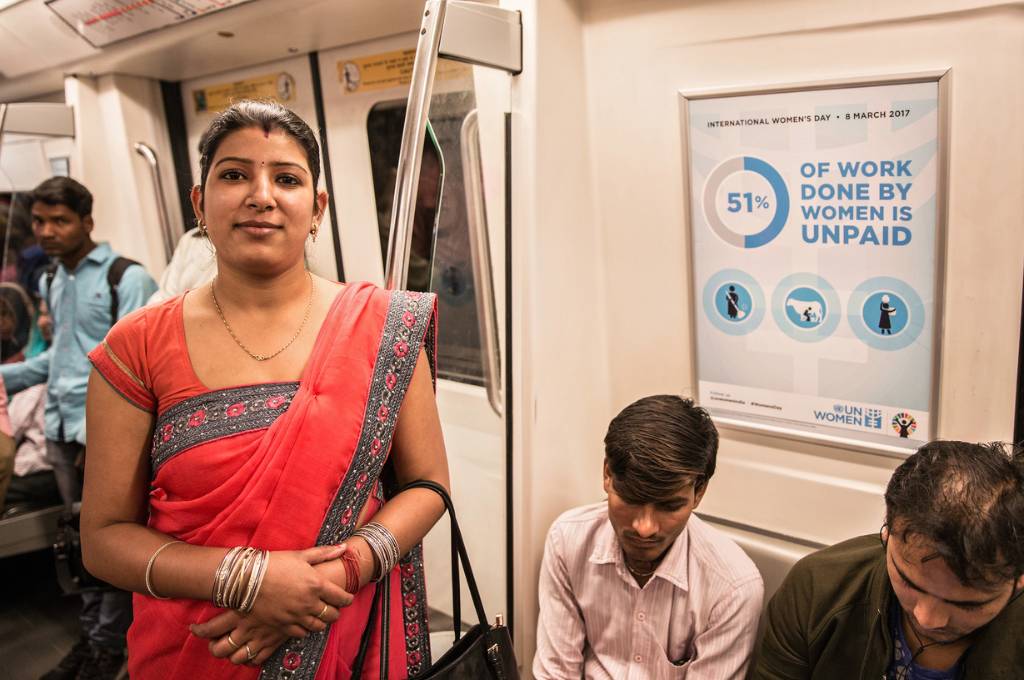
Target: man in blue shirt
[(79, 294)]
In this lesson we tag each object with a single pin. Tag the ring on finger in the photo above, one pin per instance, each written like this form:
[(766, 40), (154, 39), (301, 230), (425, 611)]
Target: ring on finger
[(234, 645), (322, 612), (249, 655)]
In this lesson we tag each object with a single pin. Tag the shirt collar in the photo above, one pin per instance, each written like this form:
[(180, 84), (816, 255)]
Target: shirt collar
[(99, 254), (672, 569)]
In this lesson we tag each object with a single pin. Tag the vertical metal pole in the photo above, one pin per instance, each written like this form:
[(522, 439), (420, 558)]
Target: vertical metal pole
[(480, 255), (146, 151), (410, 158), (14, 195)]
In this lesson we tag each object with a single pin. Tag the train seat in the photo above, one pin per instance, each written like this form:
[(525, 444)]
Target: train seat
[(29, 531), (774, 556)]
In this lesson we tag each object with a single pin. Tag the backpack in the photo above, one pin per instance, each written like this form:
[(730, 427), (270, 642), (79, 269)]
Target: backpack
[(114, 274)]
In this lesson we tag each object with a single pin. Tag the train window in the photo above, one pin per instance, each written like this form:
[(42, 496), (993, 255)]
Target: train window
[(21, 259), (440, 259)]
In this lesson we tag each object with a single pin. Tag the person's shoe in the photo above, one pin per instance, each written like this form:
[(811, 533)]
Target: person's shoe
[(68, 667), (104, 664)]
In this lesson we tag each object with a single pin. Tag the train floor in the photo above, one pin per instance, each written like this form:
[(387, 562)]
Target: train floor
[(38, 624)]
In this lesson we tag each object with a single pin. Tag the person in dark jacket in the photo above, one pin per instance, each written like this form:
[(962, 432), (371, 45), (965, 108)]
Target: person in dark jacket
[(934, 596)]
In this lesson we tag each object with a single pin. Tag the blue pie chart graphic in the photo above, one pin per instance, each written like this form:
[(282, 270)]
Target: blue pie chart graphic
[(775, 181)]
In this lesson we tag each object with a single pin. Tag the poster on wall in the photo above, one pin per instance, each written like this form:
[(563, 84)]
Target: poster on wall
[(816, 245)]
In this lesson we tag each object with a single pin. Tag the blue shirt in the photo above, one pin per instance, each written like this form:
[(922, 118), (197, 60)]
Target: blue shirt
[(80, 307), (903, 666)]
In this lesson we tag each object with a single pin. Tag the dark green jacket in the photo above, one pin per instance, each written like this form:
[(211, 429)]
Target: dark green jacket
[(829, 621)]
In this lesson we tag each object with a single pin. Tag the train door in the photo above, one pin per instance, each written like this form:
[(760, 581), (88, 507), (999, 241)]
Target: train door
[(362, 90), (457, 251)]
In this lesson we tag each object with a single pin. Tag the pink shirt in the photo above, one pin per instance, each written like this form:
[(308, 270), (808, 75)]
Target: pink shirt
[(696, 618)]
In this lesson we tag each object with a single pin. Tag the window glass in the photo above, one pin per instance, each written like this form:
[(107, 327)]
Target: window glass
[(440, 258)]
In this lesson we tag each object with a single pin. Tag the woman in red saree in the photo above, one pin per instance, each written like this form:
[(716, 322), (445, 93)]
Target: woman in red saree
[(195, 438)]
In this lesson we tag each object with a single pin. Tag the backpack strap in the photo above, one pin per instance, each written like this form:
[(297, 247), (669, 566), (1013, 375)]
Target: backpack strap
[(51, 271), (114, 274)]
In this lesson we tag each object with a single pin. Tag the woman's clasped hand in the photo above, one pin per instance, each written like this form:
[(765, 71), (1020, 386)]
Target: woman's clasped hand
[(295, 598)]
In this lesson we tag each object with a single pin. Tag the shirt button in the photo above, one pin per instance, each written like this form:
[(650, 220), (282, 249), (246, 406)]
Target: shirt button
[(638, 658), (641, 616)]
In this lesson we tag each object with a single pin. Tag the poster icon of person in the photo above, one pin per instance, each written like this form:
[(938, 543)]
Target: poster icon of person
[(885, 313), (806, 307), (733, 302), (904, 424), (885, 320)]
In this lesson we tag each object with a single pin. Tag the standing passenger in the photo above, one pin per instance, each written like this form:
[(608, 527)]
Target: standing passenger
[(636, 586), (932, 597), (22, 418), (84, 302), (192, 265), (238, 433)]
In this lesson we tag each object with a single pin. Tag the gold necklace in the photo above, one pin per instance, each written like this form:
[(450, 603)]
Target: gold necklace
[(262, 357), (637, 572)]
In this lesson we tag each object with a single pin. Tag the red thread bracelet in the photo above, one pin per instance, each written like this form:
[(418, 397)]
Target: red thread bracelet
[(351, 562)]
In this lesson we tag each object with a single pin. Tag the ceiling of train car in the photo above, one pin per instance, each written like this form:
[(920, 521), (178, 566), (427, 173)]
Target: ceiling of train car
[(37, 48)]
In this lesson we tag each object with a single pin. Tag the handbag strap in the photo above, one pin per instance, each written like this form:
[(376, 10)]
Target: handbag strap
[(381, 598), (459, 546), (364, 641)]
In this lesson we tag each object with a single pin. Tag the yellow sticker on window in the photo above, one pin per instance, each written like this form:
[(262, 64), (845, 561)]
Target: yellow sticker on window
[(276, 86), (391, 69)]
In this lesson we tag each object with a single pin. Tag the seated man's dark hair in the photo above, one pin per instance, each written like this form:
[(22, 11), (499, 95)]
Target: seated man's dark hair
[(967, 500), (657, 445), (63, 191)]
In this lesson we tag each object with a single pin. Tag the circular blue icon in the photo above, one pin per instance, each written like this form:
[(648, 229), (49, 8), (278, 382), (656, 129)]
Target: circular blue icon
[(886, 313), (739, 202), (868, 309), (733, 302), (805, 307), (737, 311)]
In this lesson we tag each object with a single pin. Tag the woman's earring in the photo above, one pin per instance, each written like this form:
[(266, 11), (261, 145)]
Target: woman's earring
[(202, 228), (314, 231)]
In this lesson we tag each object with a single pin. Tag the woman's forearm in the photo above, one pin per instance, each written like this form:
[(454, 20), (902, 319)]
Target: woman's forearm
[(408, 516), (119, 552)]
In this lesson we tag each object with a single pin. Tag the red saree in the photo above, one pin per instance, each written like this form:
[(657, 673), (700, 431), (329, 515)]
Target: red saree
[(280, 466)]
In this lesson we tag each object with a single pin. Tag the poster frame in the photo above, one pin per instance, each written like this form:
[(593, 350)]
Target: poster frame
[(794, 431)]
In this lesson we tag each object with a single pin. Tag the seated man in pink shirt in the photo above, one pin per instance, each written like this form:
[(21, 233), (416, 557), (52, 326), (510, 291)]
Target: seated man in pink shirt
[(637, 586)]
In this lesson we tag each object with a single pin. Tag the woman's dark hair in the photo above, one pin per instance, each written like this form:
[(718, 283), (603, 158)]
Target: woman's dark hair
[(967, 501), (63, 191), (15, 301), (658, 445), (265, 115)]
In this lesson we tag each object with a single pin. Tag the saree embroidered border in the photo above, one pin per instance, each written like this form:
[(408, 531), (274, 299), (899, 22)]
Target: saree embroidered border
[(218, 414), (414, 607), (409, 317)]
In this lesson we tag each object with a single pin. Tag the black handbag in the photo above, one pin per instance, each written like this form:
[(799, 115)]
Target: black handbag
[(485, 651)]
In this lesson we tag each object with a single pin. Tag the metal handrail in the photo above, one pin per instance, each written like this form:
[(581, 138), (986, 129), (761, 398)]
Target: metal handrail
[(149, 155), (410, 158), (480, 255)]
